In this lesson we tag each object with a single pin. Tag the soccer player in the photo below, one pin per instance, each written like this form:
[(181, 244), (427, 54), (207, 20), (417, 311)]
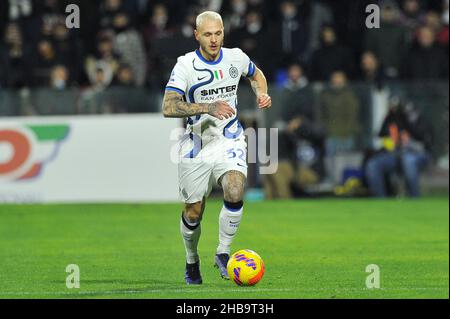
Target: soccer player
[(203, 88)]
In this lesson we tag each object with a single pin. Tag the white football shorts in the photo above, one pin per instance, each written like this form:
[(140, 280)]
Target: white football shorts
[(200, 167)]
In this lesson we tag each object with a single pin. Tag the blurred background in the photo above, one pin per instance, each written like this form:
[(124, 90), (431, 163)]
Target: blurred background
[(360, 112)]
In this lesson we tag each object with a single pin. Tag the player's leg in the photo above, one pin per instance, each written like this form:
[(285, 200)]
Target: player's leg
[(194, 182), (232, 183), (230, 172), (190, 231)]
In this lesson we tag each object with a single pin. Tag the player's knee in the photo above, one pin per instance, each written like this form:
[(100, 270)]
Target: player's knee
[(234, 192), (233, 186), (193, 212)]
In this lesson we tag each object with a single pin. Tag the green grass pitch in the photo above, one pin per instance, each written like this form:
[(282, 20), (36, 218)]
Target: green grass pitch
[(311, 249)]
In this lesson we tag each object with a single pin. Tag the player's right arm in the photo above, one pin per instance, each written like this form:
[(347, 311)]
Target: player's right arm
[(175, 106)]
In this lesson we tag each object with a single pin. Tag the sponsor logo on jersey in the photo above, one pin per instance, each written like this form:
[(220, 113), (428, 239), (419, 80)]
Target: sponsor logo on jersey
[(220, 90)]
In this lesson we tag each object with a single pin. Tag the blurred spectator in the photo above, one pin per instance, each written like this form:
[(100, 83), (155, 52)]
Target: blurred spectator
[(301, 140), (59, 77), (298, 31), (234, 14), (389, 42), (279, 184), (320, 15), (188, 26), (340, 114), (209, 5), (102, 76), (13, 11), (298, 113), (290, 33), (176, 11), (433, 20), (68, 50), (23, 13), (251, 38), (297, 97), (128, 43), (291, 177), (299, 161), (445, 12), (158, 24), (426, 60), (44, 62), (407, 139), (330, 57), (102, 66), (108, 10), (371, 71), (164, 42), (14, 59), (49, 13), (412, 15), (124, 76)]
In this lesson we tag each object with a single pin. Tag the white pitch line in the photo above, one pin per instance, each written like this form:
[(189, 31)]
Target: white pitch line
[(194, 290), (199, 290)]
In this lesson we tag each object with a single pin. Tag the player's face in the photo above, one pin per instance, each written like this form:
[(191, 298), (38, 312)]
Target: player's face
[(210, 36)]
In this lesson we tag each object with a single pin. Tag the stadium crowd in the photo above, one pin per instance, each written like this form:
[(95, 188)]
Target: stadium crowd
[(135, 42), (132, 46)]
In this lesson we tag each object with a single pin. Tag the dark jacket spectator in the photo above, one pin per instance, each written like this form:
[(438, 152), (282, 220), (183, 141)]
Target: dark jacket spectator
[(370, 70), (388, 43), (320, 15), (330, 57), (44, 62), (14, 58), (426, 60), (252, 38), (412, 15), (289, 35), (298, 98), (68, 50)]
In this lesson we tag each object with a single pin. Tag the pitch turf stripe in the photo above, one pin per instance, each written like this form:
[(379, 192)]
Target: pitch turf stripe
[(199, 290), (193, 290)]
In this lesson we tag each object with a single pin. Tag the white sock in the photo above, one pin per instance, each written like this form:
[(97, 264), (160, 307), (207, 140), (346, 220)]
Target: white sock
[(191, 234), (229, 220)]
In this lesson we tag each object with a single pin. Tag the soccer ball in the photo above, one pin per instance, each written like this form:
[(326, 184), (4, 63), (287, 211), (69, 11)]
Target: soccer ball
[(245, 267)]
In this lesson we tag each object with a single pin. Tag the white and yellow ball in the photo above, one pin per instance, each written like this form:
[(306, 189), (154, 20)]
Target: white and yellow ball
[(245, 267)]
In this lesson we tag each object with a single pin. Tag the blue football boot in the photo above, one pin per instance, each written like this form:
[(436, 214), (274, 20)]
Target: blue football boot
[(221, 261), (193, 276)]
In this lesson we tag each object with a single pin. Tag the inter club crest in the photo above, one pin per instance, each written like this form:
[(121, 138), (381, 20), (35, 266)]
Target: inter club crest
[(234, 73)]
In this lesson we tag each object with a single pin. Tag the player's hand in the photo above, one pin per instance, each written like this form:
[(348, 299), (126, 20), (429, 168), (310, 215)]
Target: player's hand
[(221, 110), (264, 101)]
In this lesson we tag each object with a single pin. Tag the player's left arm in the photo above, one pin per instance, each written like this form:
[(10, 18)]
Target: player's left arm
[(259, 86)]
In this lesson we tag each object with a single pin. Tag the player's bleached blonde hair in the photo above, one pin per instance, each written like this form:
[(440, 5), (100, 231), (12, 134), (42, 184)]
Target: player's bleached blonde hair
[(207, 15)]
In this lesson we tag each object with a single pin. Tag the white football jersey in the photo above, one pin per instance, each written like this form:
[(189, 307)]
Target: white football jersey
[(202, 81)]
